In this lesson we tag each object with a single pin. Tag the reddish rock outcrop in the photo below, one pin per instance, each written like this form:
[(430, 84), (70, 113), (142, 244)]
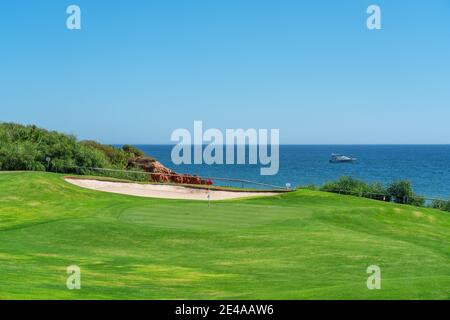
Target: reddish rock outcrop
[(160, 173)]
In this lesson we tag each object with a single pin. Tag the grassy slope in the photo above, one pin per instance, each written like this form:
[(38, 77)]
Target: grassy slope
[(301, 245)]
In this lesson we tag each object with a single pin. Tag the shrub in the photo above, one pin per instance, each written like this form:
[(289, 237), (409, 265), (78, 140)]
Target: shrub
[(378, 192), (29, 147), (416, 200), (133, 151), (116, 157), (345, 185), (20, 156), (441, 205), (401, 191)]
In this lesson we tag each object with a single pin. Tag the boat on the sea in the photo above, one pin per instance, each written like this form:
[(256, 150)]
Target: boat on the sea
[(335, 158)]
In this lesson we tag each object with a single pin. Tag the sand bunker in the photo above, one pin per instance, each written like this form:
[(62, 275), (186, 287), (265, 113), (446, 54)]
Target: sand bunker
[(162, 191)]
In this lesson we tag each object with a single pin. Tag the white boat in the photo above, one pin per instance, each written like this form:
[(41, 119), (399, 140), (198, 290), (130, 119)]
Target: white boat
[(340, 158)]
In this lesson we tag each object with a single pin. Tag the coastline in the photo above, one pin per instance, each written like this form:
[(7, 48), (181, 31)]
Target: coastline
[(426, 166)]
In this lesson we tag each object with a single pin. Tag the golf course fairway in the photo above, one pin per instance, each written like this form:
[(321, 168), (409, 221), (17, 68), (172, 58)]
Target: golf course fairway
[(300, 245)]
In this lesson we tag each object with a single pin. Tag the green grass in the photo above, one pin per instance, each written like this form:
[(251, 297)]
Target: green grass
[(300, 245)]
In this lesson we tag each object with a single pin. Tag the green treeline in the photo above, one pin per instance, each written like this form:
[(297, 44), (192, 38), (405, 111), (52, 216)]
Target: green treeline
[(398, 191), (32, 148)]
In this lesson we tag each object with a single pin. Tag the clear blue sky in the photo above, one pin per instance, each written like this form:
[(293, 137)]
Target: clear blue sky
[(140, 69)]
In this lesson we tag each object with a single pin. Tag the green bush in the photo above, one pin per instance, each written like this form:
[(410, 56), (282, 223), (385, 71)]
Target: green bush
[(402, 192), (116, 157), (29, 148), (417, 200), (345, 185), (133, 151), (441, 205), (399, 191), (352, 186), (378, 191), (20, 157)]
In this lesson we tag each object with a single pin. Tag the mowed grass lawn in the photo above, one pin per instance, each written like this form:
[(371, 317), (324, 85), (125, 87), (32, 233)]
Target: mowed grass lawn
[(301, 245)]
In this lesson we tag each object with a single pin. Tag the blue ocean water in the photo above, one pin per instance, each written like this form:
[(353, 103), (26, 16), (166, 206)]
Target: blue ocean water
[(426, 166)]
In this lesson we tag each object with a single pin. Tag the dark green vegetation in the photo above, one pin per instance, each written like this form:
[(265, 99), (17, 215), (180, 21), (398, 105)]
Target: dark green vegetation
[(398, 191), (441, 205), (300, 245), (36, 149)]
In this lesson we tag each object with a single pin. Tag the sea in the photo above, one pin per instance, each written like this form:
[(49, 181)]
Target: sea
[(426, 166)]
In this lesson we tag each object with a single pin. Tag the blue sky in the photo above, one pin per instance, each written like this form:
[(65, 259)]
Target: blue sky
[(140, 69)]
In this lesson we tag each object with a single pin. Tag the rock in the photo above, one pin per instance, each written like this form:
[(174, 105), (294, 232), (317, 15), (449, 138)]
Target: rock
[(160, 173)]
